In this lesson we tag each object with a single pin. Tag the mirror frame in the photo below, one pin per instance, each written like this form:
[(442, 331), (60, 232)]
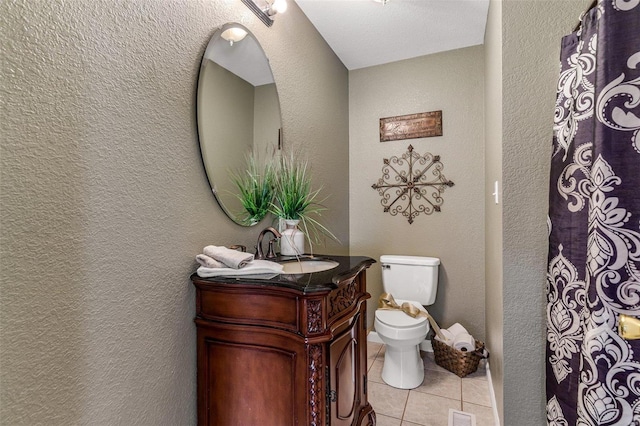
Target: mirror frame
[(217, 38)]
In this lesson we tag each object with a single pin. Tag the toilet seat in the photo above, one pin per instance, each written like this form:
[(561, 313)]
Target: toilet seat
[(399, 319)]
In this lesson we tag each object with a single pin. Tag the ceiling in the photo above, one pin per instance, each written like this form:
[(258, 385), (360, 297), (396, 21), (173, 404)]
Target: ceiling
[(364, 33), (245, 58)]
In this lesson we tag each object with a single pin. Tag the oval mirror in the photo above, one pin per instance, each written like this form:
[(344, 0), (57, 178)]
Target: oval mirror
[(238, 115)]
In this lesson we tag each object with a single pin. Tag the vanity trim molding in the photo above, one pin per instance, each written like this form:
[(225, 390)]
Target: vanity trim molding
[(314, 309), (315, 384)]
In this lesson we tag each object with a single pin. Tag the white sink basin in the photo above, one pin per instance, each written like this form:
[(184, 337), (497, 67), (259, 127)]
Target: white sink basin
[(308, 266)]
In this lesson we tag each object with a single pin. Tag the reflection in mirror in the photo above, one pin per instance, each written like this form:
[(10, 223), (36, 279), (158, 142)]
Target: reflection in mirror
[(238, 113)]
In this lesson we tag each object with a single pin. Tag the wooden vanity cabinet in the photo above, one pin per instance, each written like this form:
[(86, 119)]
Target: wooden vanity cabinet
[(278, 355)]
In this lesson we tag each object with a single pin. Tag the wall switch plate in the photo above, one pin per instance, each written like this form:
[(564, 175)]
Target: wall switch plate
[(496, 193)]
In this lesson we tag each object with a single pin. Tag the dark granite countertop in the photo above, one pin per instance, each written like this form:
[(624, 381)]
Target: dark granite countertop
[(348, 267)]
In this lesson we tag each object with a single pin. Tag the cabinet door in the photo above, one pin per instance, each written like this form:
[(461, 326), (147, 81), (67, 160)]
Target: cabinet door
[(248, 377), (343, 376)]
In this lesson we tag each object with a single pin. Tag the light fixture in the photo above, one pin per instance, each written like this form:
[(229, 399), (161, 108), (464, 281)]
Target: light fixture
[(266, 9), (382, 1), (233, 34)]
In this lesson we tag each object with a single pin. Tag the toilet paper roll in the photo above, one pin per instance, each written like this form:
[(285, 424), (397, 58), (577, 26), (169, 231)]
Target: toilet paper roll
[(464, 342), (448, 337), (456, 329)]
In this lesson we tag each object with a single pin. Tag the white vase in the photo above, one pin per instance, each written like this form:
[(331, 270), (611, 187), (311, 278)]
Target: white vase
[(292, 240)]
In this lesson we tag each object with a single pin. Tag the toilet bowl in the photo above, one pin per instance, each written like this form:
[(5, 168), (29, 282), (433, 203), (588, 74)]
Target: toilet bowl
[(402, 334)]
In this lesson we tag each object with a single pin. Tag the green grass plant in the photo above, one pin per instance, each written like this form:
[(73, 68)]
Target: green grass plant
[(255, 189), (295, 199)]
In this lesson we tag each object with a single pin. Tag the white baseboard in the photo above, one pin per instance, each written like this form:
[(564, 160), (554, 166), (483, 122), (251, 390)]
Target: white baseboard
[(492, 395), (372, 336)]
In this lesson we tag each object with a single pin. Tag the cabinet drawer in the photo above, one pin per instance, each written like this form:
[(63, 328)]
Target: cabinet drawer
[(266, 308)]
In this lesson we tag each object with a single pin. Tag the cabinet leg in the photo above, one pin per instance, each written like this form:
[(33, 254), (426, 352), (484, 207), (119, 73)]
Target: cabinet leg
[(367, 417)]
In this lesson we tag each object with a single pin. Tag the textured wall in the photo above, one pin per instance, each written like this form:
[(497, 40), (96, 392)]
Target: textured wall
[(104, 202), (451, 82), (531, 34)]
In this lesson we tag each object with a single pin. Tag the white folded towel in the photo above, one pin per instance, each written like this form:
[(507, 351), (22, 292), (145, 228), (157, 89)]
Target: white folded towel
[(209, 262), (464, 342), (232, 258), (255, 267)]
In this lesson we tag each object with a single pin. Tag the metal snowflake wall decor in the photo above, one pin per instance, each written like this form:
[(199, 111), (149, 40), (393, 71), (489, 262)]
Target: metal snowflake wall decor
[(412, 184)]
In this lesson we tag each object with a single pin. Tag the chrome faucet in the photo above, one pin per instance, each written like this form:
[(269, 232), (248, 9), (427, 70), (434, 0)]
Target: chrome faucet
[(270, 254)]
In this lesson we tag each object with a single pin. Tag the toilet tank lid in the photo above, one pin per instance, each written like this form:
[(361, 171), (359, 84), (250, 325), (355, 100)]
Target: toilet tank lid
[(409, 260)]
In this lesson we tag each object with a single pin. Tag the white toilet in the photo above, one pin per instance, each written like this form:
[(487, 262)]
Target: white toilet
[(412, 279)]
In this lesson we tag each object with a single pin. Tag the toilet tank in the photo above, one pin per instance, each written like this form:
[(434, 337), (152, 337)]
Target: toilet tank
[(410, 277)]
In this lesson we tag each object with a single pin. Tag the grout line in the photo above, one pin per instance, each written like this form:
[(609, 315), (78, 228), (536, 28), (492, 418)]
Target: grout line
[(404, 410)]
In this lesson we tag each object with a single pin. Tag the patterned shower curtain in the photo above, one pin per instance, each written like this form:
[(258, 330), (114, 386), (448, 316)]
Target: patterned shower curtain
[(593, 374)]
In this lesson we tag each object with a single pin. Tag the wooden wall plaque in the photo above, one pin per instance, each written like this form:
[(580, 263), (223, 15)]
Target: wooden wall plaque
[(412, 126)]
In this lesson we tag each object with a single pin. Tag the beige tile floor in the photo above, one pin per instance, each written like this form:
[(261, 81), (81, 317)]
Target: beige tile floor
[(428, 404)]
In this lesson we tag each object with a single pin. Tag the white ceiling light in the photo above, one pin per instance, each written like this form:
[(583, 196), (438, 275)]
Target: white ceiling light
[(382, 1), (233, 35), (266, 9), (278, 6)]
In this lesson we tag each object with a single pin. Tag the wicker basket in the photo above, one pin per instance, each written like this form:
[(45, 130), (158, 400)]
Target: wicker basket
[(458, 362)]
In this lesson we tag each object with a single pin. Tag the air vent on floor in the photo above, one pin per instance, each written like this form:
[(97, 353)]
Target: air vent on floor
[(460, 418)]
